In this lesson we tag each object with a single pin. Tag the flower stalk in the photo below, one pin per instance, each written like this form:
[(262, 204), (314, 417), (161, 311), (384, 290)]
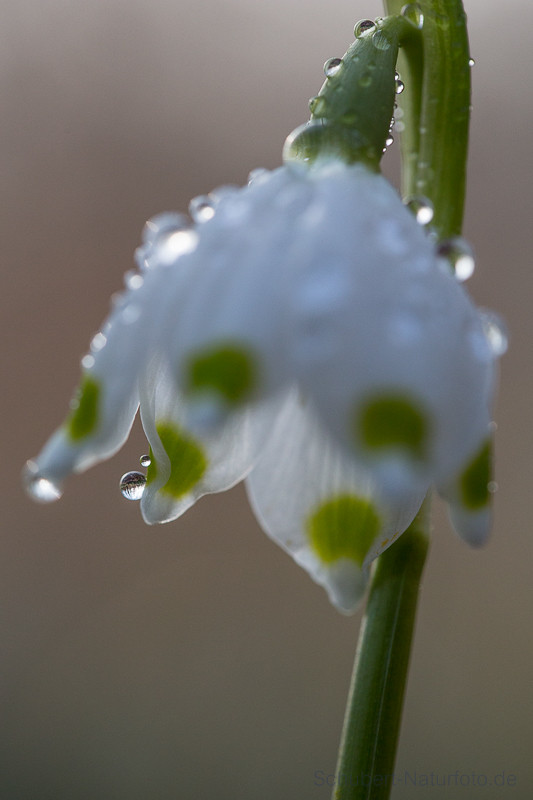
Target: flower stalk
[(435, 68)]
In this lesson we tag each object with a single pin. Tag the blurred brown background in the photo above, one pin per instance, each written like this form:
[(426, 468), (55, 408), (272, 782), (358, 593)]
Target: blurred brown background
[(195, 659)]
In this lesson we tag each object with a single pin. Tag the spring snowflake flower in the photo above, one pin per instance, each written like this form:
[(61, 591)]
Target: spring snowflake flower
[(304, 335)]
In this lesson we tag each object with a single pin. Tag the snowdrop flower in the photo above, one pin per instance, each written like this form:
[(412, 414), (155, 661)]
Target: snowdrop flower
[(302, 334), (305, 336)]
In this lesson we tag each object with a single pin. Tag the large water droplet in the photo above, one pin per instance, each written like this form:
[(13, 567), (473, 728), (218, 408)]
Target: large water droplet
[(362, 27), (202, 208), (422, 208), (145, 461), (459, 255), (132, 485), (399, 86), (413, 13), (332, 66), (495, 330), (381, 41), (39, 488)]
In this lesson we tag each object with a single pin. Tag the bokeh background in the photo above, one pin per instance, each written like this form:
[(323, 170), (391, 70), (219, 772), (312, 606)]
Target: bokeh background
[(195, 659)]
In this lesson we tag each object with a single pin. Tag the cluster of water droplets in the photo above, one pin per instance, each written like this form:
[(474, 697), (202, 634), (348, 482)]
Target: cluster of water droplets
[(132, 484)]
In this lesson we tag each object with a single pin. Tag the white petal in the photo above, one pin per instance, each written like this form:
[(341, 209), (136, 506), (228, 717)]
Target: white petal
[(301, 470), (375, 316), (186, 465)]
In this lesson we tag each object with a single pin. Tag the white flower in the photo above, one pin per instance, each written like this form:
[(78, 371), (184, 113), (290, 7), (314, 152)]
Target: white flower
[(302, 334)]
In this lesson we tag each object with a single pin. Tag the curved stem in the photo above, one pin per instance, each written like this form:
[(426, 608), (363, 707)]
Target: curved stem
[(436, 72), (373, 713)]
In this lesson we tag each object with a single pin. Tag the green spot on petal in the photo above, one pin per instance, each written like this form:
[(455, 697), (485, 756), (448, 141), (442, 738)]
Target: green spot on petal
[(474, 482), (344, 527), (84, 416), (393, 421), (187, 460), (227, 370)]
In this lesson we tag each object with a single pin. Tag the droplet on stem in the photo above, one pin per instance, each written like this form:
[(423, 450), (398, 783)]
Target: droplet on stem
[(332, 66), (363, 26), (422, 208)]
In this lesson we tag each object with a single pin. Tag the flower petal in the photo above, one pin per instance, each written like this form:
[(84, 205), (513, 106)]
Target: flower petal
[(322, 508), (385, 340), (186, 463)]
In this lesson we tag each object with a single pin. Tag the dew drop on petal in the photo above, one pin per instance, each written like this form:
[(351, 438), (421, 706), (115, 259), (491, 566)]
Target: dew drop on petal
[(130, 314), (413, 13), (362, 27), (133, 280), (202, 208), (145, 461), (332, 66), (132, 485), (98, 342), (87, 361), (459, 256), (162, 223), (39, 488), (422, 208), (495, 331), (174, 245)]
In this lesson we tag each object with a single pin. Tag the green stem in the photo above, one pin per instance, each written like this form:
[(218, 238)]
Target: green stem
[(373, 713), (436, 103)]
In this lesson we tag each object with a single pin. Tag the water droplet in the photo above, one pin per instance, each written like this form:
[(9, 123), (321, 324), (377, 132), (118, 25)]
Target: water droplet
[(362, 27), (389, 140), (495, 331), (332, 66), (130, 314), (87, 361), (132, 485), (459, 256), (471, 62), (317, 105), (400, 86), (257, 175), (422, 208), (381, 41), (492, 486), (133, 280), (365, 80), (39, 488), (413, 13), (202, 208), (98, 341), (162, 223), (145, 461), (175, 244)]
